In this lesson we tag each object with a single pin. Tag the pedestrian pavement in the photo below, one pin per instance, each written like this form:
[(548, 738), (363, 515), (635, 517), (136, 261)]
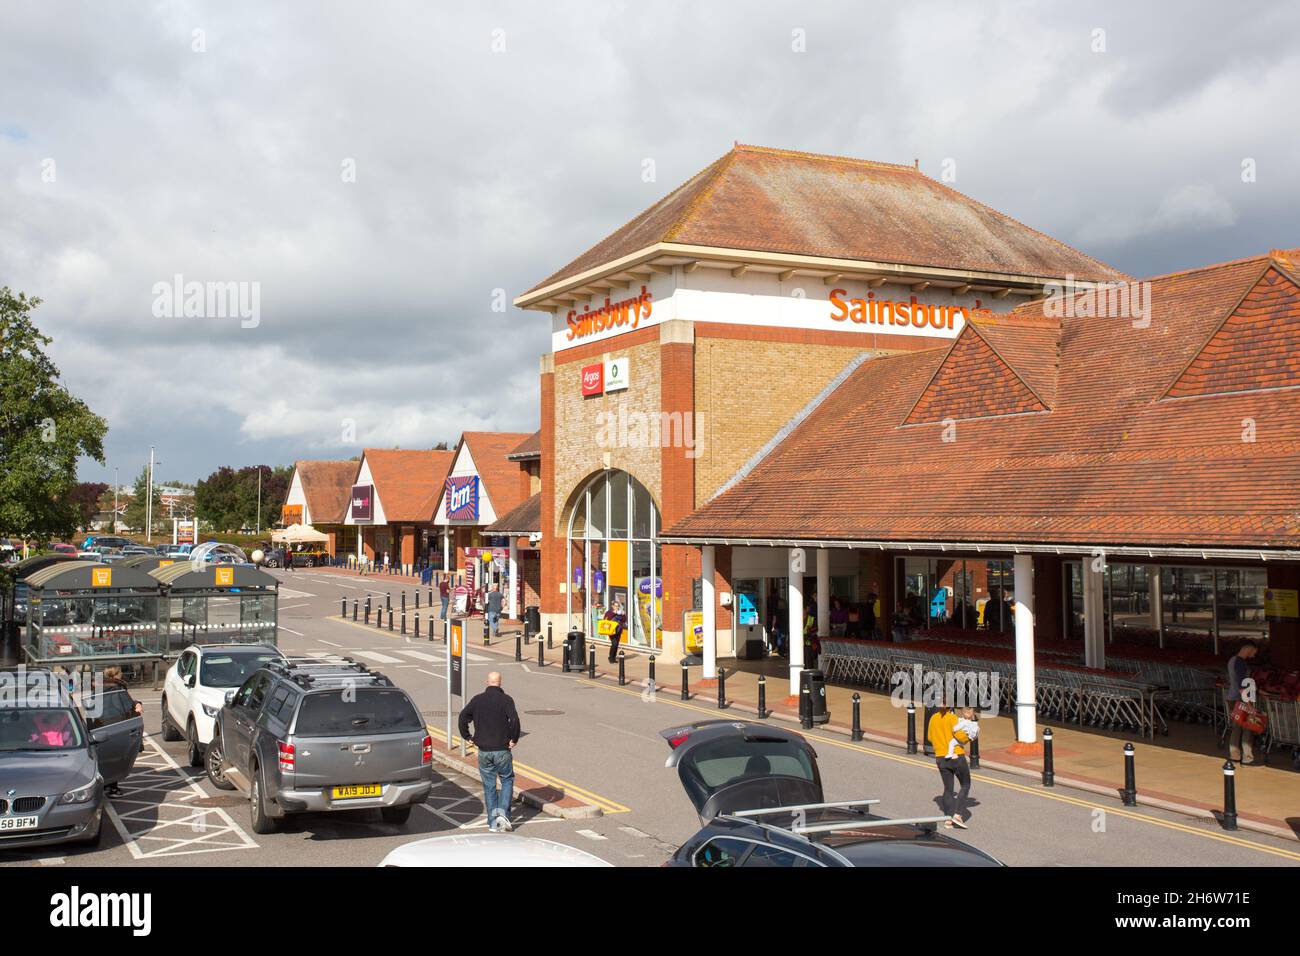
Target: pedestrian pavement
[(1183, 771)]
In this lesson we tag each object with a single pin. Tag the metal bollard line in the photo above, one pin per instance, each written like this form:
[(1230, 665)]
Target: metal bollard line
[(1129, 794), (652, 673), (1049, 770), (591, 664), (911, 728), (622, 672), (519, 647), (856, 732), (1229, 821), (686, 683), (722, 688), (762, 697)]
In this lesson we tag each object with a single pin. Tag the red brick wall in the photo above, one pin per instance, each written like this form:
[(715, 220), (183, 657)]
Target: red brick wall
[(681, 565), (552, 564)]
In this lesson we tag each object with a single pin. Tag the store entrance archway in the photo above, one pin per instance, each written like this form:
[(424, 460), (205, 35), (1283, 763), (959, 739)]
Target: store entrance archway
[(613, 555)]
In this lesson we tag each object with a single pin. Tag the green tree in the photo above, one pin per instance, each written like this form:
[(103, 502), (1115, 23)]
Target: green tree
[(85, 496), (44, 429), (137, 505)]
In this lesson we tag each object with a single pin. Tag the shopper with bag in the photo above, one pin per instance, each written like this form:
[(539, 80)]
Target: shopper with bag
[(1244, 716), (611, 626)]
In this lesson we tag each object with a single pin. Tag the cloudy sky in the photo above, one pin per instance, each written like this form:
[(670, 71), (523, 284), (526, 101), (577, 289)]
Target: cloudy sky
[(386, 172)]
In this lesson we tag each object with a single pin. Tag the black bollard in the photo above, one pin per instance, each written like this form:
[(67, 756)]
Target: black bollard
[(388, 601), (519, 647), (805, 708), (345, 608), (622, 673), (486, 637), (403, 602), (762, 697), (686, 683), (354, 609), (367, 608), (390, 618), (403, 620), (1229, 821), (417, 599), (652, 672), (430, 596), (722, 688), (1130, 792), (591, 663), (856, 732), (549, 645), (417, 625), (541, 654), (1049, 773), (911, 728)]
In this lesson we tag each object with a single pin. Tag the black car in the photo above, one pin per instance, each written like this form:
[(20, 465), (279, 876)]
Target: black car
[(758, 793)]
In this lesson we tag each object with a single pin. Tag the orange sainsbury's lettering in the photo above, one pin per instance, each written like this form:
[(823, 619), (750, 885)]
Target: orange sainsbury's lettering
[(627, 312), (875, 311)]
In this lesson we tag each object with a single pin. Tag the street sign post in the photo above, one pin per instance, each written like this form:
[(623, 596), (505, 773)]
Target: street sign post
[(455, 671)]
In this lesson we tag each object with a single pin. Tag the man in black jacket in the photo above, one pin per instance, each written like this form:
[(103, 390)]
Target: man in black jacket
[(496, 731)]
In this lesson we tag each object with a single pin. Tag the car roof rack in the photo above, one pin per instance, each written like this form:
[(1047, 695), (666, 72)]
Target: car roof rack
[(795, 808), (868, 824), (311, 672), (804, 829)]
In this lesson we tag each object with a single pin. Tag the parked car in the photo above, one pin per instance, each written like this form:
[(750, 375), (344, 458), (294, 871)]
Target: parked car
[(310, 735), (105, 541), (301, 559), (131, 550), (56, 759), (758, 794), (62, 548), (489, 849), (203, 678), (173, 550)]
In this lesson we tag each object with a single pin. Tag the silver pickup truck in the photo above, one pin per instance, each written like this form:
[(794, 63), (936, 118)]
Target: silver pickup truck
[(309, 735)]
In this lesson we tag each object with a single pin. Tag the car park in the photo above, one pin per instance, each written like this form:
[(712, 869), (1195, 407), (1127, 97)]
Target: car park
[(758, 793), (133, 549), (57, 755), (105, 541), (311, 735), (173, 550), (196, 687), (62, 548)]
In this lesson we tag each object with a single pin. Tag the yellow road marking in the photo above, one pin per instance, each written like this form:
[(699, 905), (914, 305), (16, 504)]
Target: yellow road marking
[(608, 806), (984, 778)]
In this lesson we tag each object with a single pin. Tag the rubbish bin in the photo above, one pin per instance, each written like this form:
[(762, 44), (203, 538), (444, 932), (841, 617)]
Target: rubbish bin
[(575, 646), (533, 619), (815, 682)]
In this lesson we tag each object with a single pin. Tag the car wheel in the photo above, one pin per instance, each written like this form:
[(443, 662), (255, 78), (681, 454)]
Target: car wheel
[(195, 751), (212, 761), (169, 731), (398, 815), (261, 821), (311, 562)]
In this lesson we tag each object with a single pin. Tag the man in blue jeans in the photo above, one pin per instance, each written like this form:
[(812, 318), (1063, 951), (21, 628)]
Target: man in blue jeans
[(495, 733), (493, 608)]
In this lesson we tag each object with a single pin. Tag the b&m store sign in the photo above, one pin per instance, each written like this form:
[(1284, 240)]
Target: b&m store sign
[(462, 498)]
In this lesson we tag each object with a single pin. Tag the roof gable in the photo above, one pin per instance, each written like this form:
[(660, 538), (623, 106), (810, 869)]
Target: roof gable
[(326, 486), (973, 381), (407, 482), (1255, 348)]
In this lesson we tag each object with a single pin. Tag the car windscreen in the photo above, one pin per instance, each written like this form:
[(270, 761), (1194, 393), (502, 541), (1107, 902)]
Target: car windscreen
[(233, 668), (713, 765), (363, 710), (39, 728)]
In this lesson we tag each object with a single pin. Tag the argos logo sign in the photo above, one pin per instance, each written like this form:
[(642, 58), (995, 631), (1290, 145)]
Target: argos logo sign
[(593, 379)]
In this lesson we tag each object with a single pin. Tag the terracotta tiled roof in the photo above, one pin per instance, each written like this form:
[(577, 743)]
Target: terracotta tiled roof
[(782, 201), (1111, 462), (530, 447), (973, 381), (408, 483), (525, 518), (326, 485), (498, 474)]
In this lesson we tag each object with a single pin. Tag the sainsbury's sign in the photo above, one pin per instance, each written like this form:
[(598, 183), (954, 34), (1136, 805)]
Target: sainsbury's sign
[(918, 315), (626, 312)]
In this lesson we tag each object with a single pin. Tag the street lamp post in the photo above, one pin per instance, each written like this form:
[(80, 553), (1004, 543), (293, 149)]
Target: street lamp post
[(116, 484), (148, 511), (259, 499)]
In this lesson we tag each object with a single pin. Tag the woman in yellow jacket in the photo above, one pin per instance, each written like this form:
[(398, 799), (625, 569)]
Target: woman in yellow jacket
[(949, 742)]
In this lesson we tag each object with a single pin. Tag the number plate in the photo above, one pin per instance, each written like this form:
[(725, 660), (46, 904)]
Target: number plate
[(357, 790), (18, 823)]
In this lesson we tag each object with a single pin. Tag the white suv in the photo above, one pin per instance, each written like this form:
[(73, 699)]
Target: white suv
[(203, 678)]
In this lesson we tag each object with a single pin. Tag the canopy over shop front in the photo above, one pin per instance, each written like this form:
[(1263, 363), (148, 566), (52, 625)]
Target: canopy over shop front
[(300, 534), (217, 604), (80, 610)]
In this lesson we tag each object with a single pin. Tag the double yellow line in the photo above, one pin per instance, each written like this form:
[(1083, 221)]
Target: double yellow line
[(606, 805)]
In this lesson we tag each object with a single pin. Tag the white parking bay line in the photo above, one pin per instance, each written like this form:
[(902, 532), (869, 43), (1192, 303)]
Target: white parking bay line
[(432, 674), (590, 834), (378, 658), (172, 825), (633, 831), (291, 630), (421, 655), (329, 643), (285, 592)]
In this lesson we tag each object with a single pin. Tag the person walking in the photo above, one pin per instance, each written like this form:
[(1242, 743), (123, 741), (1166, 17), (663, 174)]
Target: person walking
[(949, 742), (1241, 744), (288, 556), (615, 614), (496, 731), (444, 594), (493, 608)]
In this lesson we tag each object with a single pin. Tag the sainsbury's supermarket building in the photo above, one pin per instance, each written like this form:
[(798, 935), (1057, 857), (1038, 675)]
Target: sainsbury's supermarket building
[(799, 374)]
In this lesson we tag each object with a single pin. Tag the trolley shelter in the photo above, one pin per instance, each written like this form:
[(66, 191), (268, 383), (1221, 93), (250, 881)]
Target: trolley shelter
[(79, 610), (146, 562), (217, 604), (14, 595)]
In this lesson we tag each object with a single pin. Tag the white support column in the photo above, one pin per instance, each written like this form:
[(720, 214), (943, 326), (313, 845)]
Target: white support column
[(446, 550), (1094, 614), (513, 604), (823, 592), (1157, 599), (1026, 709), (708, 605), (794, 599)]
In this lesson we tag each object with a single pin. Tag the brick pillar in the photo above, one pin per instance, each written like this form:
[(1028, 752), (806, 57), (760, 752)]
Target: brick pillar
[(408, 545), (332, 544), (1284, 636), (677, 498), (553, 536)]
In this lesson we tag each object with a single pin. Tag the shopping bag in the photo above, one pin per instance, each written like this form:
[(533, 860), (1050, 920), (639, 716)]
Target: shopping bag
[(607, 628), (1249, 717)]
